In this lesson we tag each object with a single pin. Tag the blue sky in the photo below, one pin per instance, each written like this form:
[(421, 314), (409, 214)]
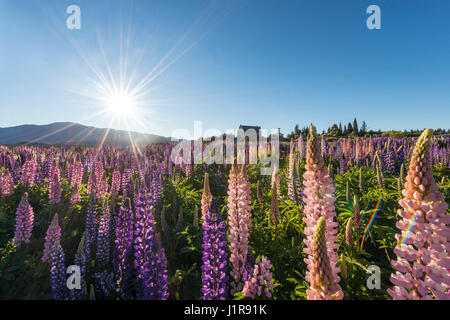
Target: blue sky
[(267, 63)]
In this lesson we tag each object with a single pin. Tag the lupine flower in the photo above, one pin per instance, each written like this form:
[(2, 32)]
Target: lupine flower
[(58, 272), (275, 179), (77, 173), (54, 190), (80, 260), (324, 285), (214, 256), (259, 191), (361, 181), (51, 237), (422, 251), (342, 164), (218, 179), (150, 265), (389, 161), (319, 202), (274, 210), (301, 147), (29, 172), (347, 191), (292, 181), (115, 182), (123, 246), (260, 282), (104, 283), (195, 222), (249, 265), (91, 225), (239, 222), (162, 291), (349, 232), (75, 196), (356, 210), (103, 235), (143, 243), (7, 184), (206, 196), (24, 221)]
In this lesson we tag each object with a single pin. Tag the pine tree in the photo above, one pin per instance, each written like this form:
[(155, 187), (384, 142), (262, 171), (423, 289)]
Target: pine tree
[(355, 126)]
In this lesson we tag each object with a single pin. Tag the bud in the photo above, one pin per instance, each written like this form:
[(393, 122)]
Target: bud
[(349, 232)]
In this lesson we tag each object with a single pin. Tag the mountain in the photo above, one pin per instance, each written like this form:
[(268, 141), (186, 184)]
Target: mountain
[(69, 133)]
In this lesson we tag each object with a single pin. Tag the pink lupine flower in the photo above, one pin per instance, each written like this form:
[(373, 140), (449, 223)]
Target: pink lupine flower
[(260, 281), (76, 174), (319, 202), (51, 237), (423, 244), (301, 147), (324, 285), (75, 196), (101, 186), (24, 221), (54, 169), (54, 189), (115, 182), (7, 183), (239, 222), (206, 197), (29, 172)]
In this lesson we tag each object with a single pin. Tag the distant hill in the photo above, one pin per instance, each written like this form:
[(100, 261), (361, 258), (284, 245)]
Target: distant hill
[(69, 133)]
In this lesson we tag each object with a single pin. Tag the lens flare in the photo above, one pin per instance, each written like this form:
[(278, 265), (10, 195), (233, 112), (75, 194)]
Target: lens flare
[(121, 104)]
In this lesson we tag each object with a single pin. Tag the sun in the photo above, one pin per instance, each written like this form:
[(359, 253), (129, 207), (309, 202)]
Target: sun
[(120, 104)]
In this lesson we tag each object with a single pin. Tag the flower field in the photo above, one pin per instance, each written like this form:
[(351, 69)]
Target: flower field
[(139, 226)]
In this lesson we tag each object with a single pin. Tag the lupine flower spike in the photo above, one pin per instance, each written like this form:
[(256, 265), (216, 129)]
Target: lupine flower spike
[(24, 221), (423, 244), (322, 280)]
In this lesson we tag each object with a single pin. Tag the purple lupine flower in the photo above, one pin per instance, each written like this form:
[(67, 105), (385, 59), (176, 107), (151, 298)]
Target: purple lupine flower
[(389, 161), (7, 184), (103, 235), (248, 265), (126, 182), (162, 291), (24, 221), (143, 244), (51, 237), (81, 261), (58, 272), (91, 226), (342, 164), (103, 282), (214, 256), (218, 179), (123, 247)]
